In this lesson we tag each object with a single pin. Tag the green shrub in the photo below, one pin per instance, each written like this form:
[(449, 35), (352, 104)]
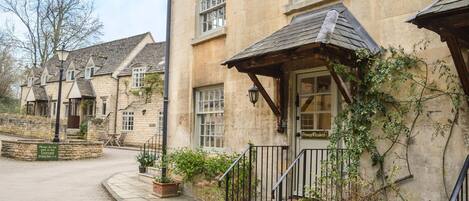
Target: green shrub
[(191, 163), (146, 159), (83, 128)]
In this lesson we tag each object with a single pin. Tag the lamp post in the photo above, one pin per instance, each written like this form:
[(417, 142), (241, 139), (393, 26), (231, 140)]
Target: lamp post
[(62, 54)]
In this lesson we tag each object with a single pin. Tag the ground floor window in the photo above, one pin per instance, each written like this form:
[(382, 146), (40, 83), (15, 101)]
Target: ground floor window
[(128, 121), (209, 117), (54, 108)]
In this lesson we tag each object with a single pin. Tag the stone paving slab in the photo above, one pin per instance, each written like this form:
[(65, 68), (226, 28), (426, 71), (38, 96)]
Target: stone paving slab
[(125, 186)]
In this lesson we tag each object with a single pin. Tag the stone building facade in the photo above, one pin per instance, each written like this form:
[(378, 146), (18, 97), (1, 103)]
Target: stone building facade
[(91, 84), (209, 102)]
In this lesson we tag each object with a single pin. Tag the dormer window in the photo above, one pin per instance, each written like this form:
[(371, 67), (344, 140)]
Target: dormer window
[(44, 79), (89, 72), (70, 75), (30, 81), (138, 75)]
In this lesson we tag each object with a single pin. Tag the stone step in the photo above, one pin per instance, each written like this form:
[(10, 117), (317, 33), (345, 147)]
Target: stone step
[(145, 178)]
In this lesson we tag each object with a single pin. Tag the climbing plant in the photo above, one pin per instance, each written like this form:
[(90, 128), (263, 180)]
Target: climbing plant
[(391, 91), (153, 83)]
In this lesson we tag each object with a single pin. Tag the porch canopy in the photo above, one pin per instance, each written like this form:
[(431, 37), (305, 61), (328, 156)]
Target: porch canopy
[(81, 88), (36, 94), (449, 19), (312, 39)]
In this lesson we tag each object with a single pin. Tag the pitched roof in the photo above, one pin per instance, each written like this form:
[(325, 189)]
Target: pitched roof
[(442, 6), (81, 88), (151, 56), (332, 25), (38, 94), (108, 56)]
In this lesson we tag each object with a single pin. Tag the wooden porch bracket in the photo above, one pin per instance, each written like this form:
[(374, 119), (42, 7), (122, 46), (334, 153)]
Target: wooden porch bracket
[(340, 85), (459, 62), (264, 94)]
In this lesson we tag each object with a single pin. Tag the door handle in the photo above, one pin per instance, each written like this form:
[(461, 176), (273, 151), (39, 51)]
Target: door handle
[(298, 134)]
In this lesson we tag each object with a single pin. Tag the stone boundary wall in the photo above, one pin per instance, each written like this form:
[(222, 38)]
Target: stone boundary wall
[(29, 126), (97, 129), (27, 149)]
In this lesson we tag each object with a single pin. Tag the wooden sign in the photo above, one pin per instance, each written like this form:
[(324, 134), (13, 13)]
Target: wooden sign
[(314, 134), (47, 152)]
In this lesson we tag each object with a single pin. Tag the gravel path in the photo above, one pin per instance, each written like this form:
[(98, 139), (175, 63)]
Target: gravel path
[(61, 180)]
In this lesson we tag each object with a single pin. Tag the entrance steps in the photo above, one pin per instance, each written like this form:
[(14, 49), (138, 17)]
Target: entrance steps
[(150, 175), (74, 134)]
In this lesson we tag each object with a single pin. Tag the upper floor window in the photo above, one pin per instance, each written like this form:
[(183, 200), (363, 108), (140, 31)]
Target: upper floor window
[(30, 81), (212, 15), (43, 79), (138, 75), (89, 72), (71, 75)]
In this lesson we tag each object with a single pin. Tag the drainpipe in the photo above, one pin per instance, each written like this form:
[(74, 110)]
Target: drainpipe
[(115, 107), (166, 83)]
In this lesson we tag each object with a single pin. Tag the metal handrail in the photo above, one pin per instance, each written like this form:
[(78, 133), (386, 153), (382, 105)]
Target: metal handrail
[(460, 182), (280, 180), (233, 165)]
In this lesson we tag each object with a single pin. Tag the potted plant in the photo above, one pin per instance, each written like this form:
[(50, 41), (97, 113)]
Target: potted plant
[(145, 160), (165, 187)]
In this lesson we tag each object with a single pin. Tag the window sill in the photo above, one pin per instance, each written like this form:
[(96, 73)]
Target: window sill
[(292, 8), (209, 36)]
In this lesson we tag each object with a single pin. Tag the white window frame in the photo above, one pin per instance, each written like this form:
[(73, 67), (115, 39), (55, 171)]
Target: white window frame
[(53, 111), (30, 81), (218, 12), (71, 75), (209, 103), (128, 121), (43, 79), (104, 107), (138, 77), (89, 72)]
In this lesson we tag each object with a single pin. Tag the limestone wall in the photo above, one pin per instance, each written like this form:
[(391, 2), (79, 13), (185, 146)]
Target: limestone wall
[(27, 150), (196, 65), (146, 114), (29, 126)]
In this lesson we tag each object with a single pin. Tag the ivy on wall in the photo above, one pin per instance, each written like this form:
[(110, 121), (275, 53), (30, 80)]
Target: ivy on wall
[(392, 89), (153, 83)]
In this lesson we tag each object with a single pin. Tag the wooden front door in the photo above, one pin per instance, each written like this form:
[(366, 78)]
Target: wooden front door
[(73, 114)]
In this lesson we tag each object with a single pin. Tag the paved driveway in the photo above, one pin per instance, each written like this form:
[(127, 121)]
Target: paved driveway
[(61, 180)]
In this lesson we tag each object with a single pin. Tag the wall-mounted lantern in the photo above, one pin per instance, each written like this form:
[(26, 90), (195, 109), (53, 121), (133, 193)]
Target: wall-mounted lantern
[(253, 94)]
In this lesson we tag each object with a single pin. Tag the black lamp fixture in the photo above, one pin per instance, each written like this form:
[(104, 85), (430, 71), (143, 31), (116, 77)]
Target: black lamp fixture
[(253, 94)]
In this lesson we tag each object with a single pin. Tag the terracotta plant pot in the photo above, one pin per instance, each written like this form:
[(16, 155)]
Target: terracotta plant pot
[(165, 190), (142, 169)]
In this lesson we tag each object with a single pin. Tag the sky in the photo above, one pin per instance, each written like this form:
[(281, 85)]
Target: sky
[(121, 18)]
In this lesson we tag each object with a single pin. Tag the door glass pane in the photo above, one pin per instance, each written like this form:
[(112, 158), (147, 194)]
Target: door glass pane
[(307, 85), (307, 104), (324, 121), (323, 103), (324, 84), (307, 121)]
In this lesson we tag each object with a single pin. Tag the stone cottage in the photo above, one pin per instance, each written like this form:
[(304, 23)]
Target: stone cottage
[(221, 48), (93, 87)]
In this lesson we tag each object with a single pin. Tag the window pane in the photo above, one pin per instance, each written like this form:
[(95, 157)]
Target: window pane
[(307, 86), (324, 84), (324, 121), (307, 121)]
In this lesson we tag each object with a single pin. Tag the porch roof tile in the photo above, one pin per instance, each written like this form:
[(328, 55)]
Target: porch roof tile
[(340, 27), (441, 6)]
